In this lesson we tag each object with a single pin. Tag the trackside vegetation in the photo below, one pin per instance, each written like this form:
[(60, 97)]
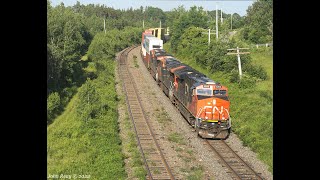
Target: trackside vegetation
[(84, 139), (70, 31)]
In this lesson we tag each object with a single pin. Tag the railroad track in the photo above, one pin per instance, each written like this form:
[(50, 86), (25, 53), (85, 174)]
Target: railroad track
[(155, 162), (237, 168)]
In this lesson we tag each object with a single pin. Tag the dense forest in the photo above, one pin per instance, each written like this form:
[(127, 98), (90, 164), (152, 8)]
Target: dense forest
[(82, 41)]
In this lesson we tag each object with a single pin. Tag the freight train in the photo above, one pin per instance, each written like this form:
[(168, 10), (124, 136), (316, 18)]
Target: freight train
[(204, 103)]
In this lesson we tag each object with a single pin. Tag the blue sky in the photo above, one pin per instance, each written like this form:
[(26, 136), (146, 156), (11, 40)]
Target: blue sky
[(228, 6)]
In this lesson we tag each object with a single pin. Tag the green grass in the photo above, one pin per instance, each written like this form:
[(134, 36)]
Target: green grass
[(195, 173), (162, 116), (251, 108), (87, 146), (135, 61), (177, 138), (263, 57), (84, 58)]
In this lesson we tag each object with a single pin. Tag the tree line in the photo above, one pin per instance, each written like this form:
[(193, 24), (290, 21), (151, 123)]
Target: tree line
[(70, 31)]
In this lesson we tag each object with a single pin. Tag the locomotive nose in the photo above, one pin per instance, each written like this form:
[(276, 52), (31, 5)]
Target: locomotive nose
[(218, 109)]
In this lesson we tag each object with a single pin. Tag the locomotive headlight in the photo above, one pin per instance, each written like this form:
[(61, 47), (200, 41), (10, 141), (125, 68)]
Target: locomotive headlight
[(206, 117), (214, 102)]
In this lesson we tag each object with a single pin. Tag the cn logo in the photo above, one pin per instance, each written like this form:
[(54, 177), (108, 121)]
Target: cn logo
[(174, 84)]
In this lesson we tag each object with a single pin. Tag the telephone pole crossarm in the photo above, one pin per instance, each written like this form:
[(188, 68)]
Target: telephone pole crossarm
[(238, 55), (236, 49)]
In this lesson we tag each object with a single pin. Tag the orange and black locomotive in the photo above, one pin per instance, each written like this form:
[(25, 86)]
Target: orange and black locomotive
[(203, 102)]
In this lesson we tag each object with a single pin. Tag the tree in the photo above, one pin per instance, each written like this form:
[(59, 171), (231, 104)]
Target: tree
[(258, 28), (194, 17), (67, 41)]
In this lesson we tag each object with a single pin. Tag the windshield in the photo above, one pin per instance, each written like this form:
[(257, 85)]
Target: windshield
[(219, 92), (204, 92)]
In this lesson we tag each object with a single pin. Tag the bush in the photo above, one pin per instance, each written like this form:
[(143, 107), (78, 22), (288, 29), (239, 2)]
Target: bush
[(87, 101), (53, 106), (247, 81), (67, 93), (256, 71), (267, 95), (234, 77)]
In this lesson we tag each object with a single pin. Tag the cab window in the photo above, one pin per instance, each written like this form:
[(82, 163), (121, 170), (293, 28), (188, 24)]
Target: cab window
[(204, 92)]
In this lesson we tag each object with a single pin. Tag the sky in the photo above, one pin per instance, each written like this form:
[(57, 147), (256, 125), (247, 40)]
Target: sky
[(228, 6)]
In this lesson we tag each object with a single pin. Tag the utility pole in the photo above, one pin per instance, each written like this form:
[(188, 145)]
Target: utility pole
[(208, 36), (221, 16), (143, 19), (231, 21), (104, 24), (217, 21), (105, 15), (238, 55)]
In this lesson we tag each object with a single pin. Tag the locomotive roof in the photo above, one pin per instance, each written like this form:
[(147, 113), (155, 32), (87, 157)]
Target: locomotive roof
[(159, 50), (172, 62), (162, 53), (189, 72)]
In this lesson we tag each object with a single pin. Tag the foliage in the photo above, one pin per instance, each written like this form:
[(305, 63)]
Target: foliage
[(237, 21), (70, 30), (259, 22), (67, 40), (106, 45), (155, 14), (90, 147), (194, 44), (85, 138), (194, 17), (53, 106)]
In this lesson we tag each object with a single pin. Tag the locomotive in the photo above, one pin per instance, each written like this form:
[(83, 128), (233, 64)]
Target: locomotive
[(204, 103)]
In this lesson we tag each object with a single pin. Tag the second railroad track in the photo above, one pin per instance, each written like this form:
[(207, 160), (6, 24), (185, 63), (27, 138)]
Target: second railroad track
[(155, 162)]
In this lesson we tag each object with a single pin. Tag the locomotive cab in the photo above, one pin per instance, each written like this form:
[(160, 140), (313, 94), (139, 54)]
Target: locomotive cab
[(212, 107)]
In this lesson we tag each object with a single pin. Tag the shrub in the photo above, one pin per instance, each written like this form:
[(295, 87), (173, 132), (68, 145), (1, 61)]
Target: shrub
[(256, 71), (247, 81), (53, 106)]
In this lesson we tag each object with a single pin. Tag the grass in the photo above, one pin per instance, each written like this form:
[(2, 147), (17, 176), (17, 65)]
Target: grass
[(87, 148), (87, 142), (251, 108), (162, 116), (135, 61), (263, 57), (177, 138), (195, 173)]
